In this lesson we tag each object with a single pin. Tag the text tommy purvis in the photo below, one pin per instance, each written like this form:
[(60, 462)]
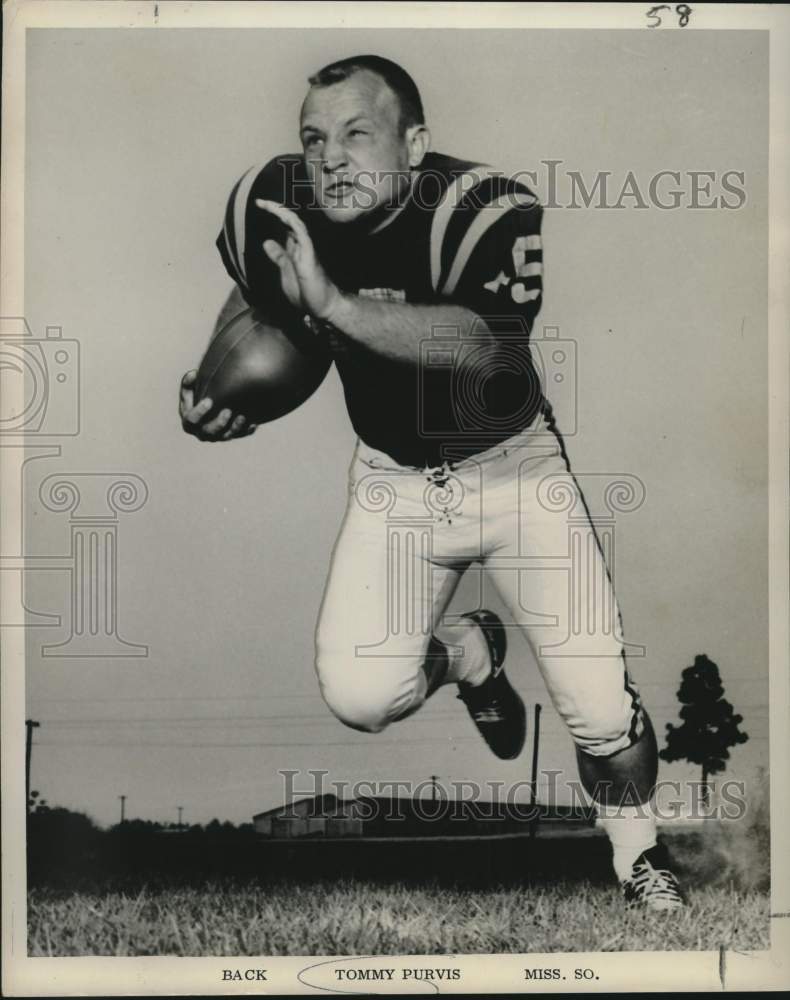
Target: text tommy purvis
[(388, 973)]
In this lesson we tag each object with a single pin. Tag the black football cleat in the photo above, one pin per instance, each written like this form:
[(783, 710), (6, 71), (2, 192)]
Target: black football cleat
[(651, 884), (496, 709)]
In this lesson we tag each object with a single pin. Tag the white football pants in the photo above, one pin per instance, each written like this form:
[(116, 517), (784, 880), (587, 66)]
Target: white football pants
[(407, 537)]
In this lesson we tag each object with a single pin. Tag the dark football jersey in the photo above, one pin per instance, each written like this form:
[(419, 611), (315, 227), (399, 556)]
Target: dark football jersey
[(465, 234)]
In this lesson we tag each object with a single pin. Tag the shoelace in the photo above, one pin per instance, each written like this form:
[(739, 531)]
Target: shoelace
[(657, 882), (491, 713)]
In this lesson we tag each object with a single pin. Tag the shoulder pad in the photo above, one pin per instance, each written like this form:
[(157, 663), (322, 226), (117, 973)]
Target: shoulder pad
[(273, 180), (475, 200)]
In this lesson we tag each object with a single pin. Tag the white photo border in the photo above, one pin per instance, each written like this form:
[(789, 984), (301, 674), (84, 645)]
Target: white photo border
[(618, 972)]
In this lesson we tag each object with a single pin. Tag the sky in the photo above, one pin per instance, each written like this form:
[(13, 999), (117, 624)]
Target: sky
[(133, 142)]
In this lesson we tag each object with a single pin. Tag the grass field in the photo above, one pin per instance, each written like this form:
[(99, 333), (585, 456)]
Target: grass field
[(353, 917), (361, 898)]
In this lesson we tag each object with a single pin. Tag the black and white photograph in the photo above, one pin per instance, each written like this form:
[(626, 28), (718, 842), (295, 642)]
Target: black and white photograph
[(394, 463)]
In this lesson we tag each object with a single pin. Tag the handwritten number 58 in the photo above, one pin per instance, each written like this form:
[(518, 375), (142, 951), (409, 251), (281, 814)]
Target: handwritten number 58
[(682, 10)]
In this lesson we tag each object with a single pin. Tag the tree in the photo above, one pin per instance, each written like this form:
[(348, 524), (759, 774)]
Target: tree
[(62, 846), (35, 804), (709, 727)]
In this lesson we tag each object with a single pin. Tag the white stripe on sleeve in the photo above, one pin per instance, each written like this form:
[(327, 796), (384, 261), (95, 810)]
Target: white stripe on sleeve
[(485, 218), (239, 218), (443, 214)]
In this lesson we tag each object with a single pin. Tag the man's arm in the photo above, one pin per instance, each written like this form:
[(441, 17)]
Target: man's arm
[(396, 330), (496, 290), (391, 329)]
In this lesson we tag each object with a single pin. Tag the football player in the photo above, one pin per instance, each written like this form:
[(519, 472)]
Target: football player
[(424, 274)]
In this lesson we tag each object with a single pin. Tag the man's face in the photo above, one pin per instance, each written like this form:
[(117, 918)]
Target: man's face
[(356, 156)]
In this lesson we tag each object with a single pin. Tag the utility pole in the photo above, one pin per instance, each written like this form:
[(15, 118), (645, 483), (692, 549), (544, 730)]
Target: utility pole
[(533, 794), (123, 807), (180, 813), (30, 725)]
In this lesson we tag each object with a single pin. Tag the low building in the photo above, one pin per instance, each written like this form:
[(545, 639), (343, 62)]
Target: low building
[(319, 816), (378, 816)]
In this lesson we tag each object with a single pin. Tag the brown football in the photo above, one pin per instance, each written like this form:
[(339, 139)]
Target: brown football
[(259, 370)]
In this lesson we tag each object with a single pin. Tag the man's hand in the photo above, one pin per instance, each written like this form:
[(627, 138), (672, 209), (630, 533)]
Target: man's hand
[(223, 427), (304, 282)]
